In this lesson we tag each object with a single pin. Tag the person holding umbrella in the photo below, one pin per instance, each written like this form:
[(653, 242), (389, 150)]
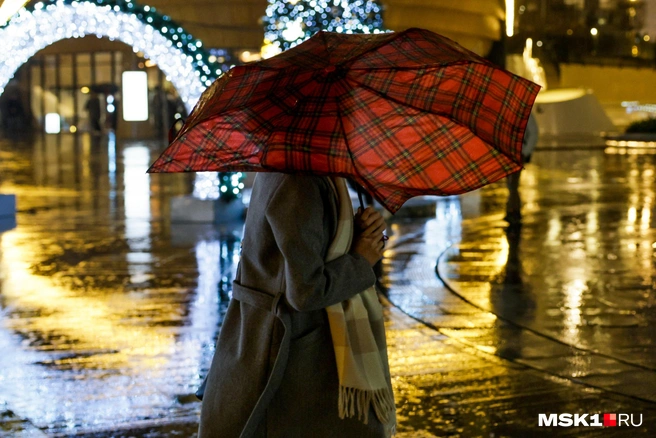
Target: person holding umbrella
[(274, 372), (401, 114)]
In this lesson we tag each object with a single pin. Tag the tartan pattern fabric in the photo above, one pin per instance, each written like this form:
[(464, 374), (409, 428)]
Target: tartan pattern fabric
[(403, 114), (358, 332)]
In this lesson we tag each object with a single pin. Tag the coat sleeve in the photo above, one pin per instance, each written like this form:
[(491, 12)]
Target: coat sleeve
[(295, 214)]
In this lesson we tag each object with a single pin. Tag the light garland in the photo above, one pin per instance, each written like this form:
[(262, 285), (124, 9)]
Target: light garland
[(8, 8), (181, 57), (288, 23)]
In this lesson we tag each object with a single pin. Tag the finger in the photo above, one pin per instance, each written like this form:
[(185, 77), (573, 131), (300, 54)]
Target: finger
[(365, 213), (380, 230), (372, 218), (376, 227), (372, 211), (376, 244), (375, 233)]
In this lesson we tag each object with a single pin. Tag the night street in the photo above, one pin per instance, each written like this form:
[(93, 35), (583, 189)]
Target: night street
[(508, 149), (109, 312)]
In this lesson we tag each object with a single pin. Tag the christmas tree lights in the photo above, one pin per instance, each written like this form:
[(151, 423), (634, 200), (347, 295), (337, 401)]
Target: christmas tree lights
[(288, 23), (227, 185)]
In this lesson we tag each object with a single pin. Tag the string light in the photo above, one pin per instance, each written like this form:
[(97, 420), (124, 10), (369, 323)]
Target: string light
[(288, 23), (181, 57)]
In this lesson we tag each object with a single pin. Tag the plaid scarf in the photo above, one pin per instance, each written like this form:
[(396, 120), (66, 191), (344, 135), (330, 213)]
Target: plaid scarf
[(358, 333)]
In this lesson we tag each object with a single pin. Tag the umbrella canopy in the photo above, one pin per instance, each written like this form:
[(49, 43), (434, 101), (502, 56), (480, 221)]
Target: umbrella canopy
[(403, 114)]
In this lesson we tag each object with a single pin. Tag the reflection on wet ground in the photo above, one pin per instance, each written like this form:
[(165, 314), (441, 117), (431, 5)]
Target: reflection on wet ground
[(108, 312), (569, 293)]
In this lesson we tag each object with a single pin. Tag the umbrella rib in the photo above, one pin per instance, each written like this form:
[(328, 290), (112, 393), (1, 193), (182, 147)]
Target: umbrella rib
[(348, 148), (246, 104), (397, 101), (395, 36), (412, 67)]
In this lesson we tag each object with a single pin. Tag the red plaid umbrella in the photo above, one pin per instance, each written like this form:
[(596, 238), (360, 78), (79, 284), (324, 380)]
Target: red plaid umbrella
[(403, 114)]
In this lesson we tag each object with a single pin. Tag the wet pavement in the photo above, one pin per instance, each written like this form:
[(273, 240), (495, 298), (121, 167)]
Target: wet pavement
[(108, 312)]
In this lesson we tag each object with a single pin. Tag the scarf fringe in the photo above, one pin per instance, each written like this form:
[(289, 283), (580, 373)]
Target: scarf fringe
[(354, 399), (359, 317)]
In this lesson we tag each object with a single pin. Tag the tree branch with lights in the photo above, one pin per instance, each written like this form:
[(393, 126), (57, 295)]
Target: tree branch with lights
[(288, 23)]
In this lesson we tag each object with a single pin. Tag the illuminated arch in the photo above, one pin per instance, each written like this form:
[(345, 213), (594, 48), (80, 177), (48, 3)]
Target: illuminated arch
[(181, 57)]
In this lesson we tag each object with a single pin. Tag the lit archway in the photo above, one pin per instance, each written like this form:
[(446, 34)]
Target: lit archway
[(181, 57)]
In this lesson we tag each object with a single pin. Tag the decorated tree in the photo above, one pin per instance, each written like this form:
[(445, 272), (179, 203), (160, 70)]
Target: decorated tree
[(222, 185), (288, 23)]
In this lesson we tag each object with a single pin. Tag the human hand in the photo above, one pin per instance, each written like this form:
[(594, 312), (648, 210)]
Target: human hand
[(369, 247), (369, 240), (368, 222)]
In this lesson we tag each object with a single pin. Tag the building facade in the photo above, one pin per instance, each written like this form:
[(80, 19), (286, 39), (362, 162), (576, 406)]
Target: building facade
[(586, 31)]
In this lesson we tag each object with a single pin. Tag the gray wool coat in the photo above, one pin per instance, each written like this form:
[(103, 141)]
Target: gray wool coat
[(274, 372)]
